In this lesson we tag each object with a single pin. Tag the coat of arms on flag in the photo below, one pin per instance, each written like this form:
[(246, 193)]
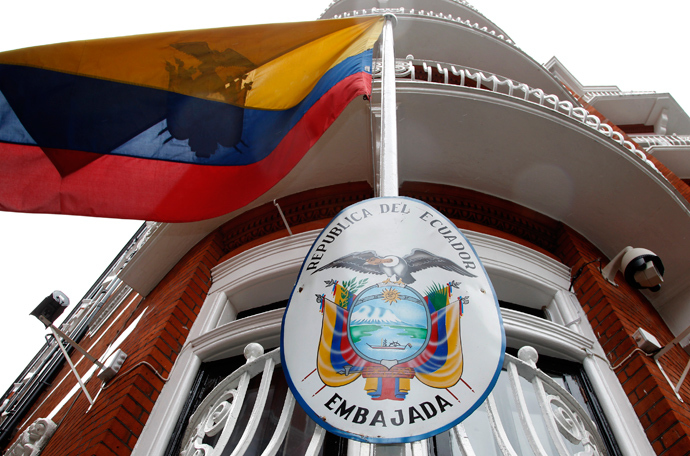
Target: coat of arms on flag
[(393, 331)]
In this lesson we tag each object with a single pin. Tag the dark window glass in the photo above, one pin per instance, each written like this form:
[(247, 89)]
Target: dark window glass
[(528, 310), (261, 309)]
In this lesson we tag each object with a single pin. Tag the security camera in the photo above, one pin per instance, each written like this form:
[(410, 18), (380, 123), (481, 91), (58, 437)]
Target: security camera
[(51, 307), (641, 268)]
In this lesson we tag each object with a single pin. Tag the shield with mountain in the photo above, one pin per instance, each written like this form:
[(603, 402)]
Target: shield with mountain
[(390, 333)]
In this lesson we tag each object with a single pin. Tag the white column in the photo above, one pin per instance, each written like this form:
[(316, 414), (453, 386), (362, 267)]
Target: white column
[(388, 164)]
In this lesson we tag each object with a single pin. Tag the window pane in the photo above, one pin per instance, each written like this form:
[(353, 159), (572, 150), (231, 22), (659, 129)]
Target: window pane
[(480, 434)]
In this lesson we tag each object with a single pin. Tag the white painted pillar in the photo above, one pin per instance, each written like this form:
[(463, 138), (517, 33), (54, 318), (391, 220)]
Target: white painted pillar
[(388, 158)]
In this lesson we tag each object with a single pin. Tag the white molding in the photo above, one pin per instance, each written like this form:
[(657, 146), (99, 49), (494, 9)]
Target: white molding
[(513, 268), (109, 308), (231, 338), (547, 337), (510, 255), (264, 260), (519, 274)]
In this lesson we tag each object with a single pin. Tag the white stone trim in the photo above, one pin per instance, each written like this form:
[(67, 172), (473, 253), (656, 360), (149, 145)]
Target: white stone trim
[(256, 264)]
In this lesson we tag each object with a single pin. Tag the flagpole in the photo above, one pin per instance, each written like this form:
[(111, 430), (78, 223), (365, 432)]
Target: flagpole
[(388, 164)]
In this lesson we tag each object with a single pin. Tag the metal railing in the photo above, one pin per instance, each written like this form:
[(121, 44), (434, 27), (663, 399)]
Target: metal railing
[(590, 95), (459, 2), (647, 141), (551, 421)]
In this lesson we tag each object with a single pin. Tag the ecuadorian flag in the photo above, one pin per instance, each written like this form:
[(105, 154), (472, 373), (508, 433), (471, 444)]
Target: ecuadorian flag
[(440, 364), (177, 126), (337, 363)]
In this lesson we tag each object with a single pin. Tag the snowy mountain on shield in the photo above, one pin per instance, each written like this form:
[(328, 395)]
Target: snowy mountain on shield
[(368, 315)]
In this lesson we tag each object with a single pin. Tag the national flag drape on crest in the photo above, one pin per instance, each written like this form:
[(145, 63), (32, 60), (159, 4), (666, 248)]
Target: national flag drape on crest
[(173, 127)]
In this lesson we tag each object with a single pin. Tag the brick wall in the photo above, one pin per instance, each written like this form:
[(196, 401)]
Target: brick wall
[(615, 313), (113, 424)]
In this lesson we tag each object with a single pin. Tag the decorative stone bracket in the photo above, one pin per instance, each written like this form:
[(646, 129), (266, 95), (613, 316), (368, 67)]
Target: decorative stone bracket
[(32, 441)]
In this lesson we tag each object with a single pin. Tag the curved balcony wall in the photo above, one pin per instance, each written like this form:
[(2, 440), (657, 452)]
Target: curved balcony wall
[(502, 145), (445, 37)]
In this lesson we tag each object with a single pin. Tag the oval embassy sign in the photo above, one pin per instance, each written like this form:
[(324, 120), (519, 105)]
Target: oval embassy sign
[(393, 331)]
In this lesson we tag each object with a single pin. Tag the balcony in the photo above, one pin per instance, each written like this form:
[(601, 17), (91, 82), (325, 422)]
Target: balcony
[(431, 71), (671, 150), (648, 141)]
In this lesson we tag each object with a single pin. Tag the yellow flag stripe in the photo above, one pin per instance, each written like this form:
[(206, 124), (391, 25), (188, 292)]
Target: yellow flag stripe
[(212, 64), (285, 81)]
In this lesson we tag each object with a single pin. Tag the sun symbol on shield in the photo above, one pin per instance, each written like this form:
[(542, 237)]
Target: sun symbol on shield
[(390, 295)]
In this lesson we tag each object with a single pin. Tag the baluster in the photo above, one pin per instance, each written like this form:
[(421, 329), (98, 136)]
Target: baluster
[(523, 411), (257, 411), (497, 428), (427, 69), (316, 441), (552, 99), (443, 71), (459, 435), (419, 448), (282, 426), (511, 86), (460, 73)]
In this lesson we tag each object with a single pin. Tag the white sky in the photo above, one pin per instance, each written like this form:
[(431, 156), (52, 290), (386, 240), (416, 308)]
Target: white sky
[(635, 44)]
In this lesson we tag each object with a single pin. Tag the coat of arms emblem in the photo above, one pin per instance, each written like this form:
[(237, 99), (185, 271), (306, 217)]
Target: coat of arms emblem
[(376, 353)]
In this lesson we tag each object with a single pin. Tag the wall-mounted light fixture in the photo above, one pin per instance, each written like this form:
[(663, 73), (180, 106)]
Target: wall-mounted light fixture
[(51, 307), (641, 268), (47, 312)]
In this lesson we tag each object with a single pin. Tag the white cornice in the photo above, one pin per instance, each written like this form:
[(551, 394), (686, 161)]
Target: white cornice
[(500, 254), (264, 260), (521, 329), (520, 274)]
